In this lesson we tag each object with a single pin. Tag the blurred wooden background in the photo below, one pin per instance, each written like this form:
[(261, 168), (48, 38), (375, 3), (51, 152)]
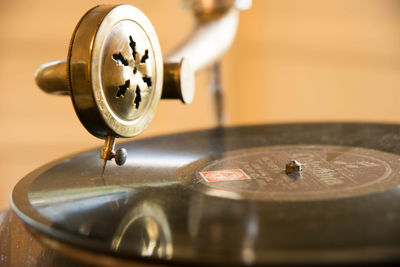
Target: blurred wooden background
[(293, 60)]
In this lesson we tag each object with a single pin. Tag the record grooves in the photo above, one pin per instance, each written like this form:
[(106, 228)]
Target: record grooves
[(221, 197)]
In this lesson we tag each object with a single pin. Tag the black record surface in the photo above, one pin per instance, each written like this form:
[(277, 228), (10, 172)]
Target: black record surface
[(147, 211)]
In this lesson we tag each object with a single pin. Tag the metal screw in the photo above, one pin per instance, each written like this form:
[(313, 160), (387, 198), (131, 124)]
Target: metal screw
[(107, 153), (120, 156), (293, 167)]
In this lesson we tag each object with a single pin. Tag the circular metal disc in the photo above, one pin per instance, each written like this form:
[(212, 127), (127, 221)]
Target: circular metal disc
[(222, 196), (115, 71)]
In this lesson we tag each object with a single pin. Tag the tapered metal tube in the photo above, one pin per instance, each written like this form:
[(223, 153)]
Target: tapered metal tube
[(210, 39)]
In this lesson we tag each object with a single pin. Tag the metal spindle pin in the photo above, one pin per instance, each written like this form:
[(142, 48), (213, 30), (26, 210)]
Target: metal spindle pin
[(293, 168)]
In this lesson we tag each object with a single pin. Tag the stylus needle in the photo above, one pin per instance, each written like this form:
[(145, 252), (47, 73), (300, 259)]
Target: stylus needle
[(103, 168)]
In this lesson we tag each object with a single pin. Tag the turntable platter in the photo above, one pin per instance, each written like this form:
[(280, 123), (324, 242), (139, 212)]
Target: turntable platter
[(222, 196)]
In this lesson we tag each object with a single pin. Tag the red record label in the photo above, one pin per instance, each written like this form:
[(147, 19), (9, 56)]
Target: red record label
[(224, 175)]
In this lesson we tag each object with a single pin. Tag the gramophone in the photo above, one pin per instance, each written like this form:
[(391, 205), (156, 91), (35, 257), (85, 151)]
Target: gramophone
[(284, 194)]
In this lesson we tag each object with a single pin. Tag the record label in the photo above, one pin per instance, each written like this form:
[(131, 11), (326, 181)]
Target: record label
[(224, 175), (327, 172)]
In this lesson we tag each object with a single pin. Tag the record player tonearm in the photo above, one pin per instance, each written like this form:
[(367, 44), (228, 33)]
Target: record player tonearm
[(115, 72)]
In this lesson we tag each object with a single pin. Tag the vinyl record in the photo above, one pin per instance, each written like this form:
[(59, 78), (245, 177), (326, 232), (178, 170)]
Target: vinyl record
[(224, 197)]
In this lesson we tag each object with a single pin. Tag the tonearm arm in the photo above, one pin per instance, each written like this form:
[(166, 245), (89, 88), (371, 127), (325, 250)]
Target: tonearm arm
[(115, 86)]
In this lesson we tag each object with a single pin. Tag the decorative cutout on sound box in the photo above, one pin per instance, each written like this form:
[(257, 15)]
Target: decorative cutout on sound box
[(119, 58), (137, 64), (138, 97), (123, 88)]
